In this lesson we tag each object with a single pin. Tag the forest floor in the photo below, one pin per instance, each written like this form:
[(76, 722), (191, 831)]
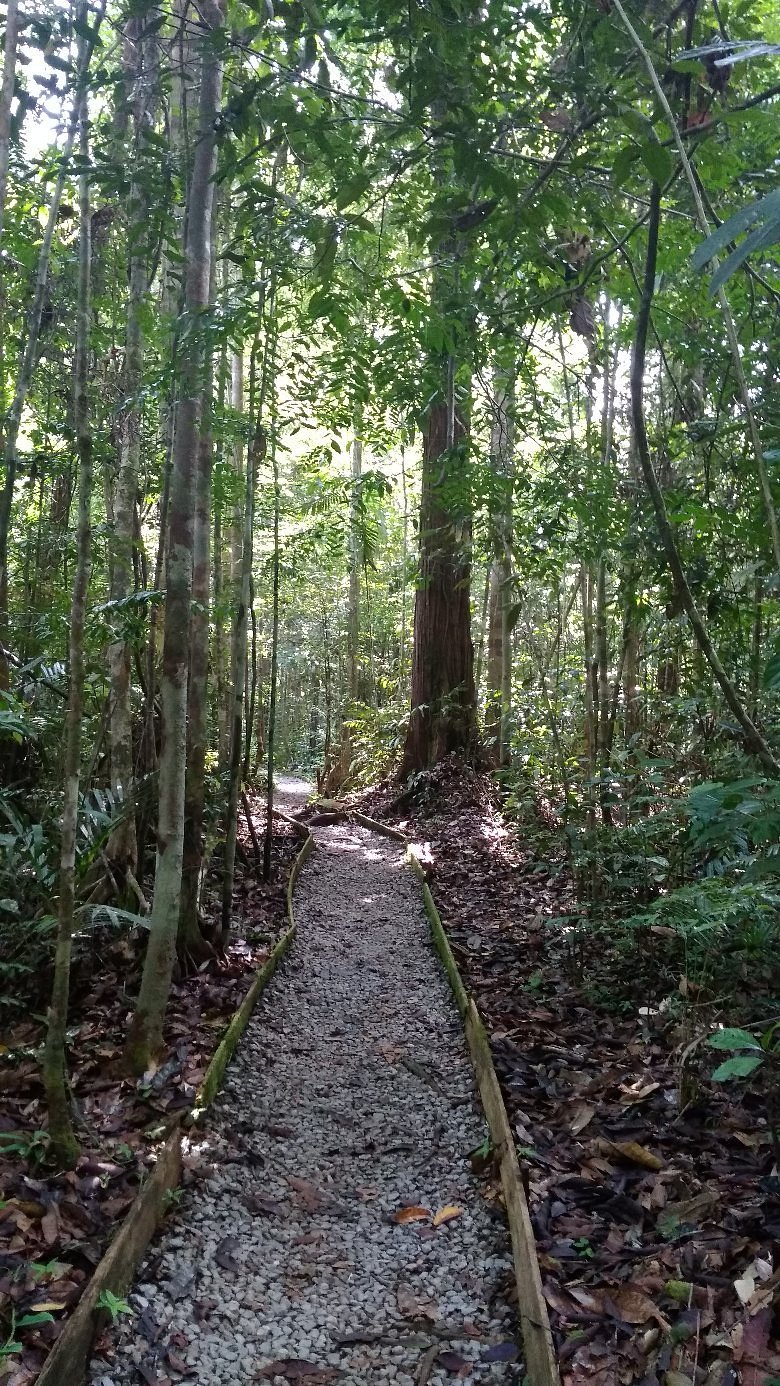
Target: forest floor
[(338, 1230), (654, 1193), (55, 1226)]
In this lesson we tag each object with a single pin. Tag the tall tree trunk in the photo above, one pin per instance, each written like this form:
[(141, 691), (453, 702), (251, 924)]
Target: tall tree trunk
[(404, 580), (602, 676), (61, 1134), (6, 101), (353, 623), (122, 846), (272, 680), (192, 946), (443, 713), (499, 669), (146, 1031), (238, 662), (495, 662)]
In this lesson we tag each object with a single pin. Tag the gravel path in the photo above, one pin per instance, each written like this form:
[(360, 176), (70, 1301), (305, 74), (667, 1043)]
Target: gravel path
[(351, 1098)]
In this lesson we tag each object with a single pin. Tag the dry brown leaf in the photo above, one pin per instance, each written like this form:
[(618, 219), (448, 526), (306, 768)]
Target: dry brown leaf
[(413, 1308), (764, 1295), (583, 1114), (638, 1155), (753, 1349), (446, 1214), (414, 1213), (636, 1306), (638, 1094), (310, 1197), (50, 1226)]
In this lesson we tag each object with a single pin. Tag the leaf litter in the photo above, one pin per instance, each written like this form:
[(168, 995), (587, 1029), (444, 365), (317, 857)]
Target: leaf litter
[(55, 1225), (655, 1219)]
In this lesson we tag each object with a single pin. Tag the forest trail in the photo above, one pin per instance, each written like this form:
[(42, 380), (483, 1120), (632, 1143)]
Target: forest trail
[(291, 792), (350, 1099)]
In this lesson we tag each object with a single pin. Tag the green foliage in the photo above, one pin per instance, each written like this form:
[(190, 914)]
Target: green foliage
[(114, 1305), (761, 1049)]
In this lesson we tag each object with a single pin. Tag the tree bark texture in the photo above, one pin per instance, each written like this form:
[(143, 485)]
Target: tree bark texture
[(64, 1144), (122, 847), (443, 715), (146, 1032)]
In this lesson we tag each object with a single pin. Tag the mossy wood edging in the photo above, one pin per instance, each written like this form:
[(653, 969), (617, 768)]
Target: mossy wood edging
[(540, 1358), (68, 1359)]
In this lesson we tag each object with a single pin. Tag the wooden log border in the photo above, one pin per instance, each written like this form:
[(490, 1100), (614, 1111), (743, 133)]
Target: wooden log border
[(540, 1358), (67, 1362)]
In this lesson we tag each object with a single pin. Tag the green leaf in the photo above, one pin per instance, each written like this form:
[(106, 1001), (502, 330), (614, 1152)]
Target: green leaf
[(741, 1066), (624, 162), (772, 673), (657, 160), (766, 209), (758, 239), (733, 1039), (352, 190)]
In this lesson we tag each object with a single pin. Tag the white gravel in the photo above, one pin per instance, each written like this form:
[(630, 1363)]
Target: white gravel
[(350, 1098)]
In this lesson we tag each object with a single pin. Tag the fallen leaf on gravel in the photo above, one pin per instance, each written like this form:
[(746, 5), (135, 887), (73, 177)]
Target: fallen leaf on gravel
[(177, 1364), (297, 1369), (677, 1379), (148, 1372), (224, 1254), (180, 1282), (413, 1213), (310, 1197), (257, 1203), (453, 1362), (413, 1308), (447, 1214), (500, 1352), (353, 1339)]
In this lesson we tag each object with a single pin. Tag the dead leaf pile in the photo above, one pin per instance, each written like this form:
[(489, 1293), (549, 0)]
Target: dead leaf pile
[(54, 1226), (657, 1223)]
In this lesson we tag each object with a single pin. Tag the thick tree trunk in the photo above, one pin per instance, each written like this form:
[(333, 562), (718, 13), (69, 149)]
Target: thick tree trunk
[(146, 1032), (192, 946), (443, 714), (64, 1145)]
